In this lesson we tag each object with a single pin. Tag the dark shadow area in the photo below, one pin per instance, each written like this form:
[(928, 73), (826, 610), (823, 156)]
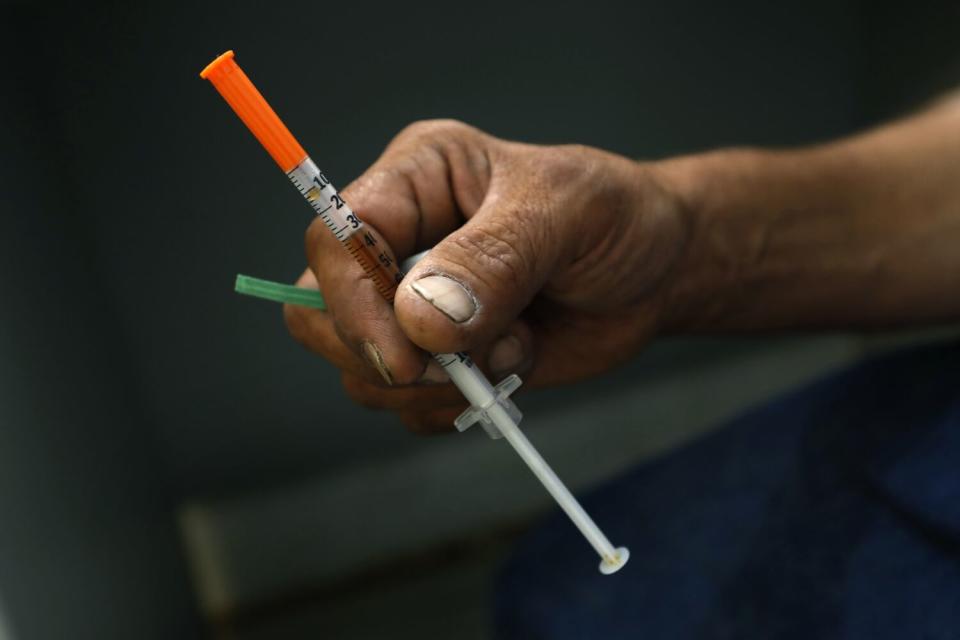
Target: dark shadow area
[(132, 377)]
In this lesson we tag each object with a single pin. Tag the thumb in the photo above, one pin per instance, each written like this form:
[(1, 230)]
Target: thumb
[(477, 280)]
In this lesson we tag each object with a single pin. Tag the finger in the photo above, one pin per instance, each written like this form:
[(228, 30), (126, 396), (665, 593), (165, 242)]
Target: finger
[(406, 199), (362, 319), (584, 344), (476, 281), (314, 329), (410, 398), (512, 352), (430, 177)]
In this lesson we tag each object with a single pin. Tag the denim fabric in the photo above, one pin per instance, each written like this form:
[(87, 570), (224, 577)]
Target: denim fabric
[(831, 513)]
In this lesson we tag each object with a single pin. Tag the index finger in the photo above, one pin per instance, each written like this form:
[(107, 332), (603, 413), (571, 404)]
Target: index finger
[(430, 178), (407, 200)]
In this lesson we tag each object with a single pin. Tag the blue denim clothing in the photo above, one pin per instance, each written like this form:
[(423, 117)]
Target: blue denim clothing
[(831, 513)]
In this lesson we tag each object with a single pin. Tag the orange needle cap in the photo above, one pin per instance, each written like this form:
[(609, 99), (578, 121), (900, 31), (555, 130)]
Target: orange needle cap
[(235, 87)]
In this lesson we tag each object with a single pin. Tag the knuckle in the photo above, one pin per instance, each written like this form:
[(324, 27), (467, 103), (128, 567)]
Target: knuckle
[(434, 128), (504, 253), (377, 179), (566, 164)]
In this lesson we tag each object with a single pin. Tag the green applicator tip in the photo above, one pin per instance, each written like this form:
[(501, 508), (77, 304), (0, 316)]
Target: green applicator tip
[(277, 292)]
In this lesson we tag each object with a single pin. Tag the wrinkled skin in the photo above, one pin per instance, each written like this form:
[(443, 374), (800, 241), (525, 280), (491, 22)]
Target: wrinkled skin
[(564, 251)]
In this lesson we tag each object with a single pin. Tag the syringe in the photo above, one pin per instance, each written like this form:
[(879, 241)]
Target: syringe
[(490, 406)]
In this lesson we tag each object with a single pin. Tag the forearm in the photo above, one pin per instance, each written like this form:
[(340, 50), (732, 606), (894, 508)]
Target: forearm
[(861, 233)]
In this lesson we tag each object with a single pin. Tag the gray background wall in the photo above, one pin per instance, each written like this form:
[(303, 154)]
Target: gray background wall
[(134, 383)]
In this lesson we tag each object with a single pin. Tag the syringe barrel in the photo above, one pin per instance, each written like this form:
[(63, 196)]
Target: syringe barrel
[(464, 374), (381, 266), (372, 254)]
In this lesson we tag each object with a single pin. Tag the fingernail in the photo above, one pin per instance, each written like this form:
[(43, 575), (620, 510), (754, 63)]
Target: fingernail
[(434, 374), (506, 355), (373, 355), (447, 295)]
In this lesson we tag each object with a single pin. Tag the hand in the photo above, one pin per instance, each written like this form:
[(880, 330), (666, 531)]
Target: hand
[(549, 261)]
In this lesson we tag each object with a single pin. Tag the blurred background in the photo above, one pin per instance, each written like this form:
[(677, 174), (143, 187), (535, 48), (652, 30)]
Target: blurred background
[(172, 464)]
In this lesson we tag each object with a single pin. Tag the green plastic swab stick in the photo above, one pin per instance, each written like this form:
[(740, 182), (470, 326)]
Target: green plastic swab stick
[(279, 292)]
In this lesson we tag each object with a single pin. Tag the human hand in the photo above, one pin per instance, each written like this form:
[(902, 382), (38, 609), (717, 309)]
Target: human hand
[(548, 261)]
